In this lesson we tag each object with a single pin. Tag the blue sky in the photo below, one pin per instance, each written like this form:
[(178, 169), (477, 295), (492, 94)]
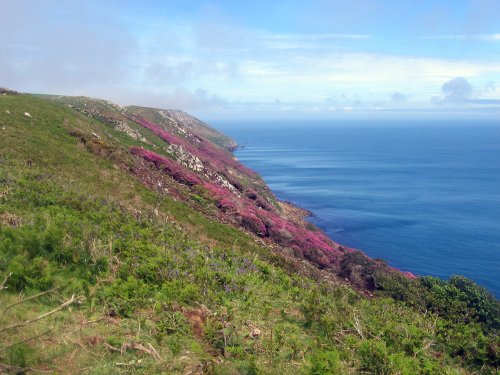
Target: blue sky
[(261, 59)]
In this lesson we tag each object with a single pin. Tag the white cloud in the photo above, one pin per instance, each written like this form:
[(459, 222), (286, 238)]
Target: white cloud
[(177, 98), (487, 37), (165, 63), (314, 37), (311, 76), (90, 51), (457, 91), (306, 41)]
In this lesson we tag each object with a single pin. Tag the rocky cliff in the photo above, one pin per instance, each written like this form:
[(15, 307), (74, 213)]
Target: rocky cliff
[(177, 154)]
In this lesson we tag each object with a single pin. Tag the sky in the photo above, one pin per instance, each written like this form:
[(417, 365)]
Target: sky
[(261, 59)]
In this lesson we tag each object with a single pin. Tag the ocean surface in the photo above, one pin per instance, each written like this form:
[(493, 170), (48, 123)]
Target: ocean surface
[(423, 195)]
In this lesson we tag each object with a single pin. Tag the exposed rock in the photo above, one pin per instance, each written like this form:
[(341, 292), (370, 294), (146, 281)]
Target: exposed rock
[(7, 111), (27, 114), (94, 108), (192, 128), (225, 183), (294, 213), (185, 158), (255, 333), (132, 133), (5, 91)]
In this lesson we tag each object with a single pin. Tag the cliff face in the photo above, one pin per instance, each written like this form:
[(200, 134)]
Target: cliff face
[(174, 153)]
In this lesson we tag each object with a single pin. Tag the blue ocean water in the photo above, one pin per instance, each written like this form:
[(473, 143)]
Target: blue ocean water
[(423, 195)]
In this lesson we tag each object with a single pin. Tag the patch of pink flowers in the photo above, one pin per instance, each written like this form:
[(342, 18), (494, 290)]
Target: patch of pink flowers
[(172, 168), (314, 245), (250, 209), (206, 151), (256, 214), (409, 275)]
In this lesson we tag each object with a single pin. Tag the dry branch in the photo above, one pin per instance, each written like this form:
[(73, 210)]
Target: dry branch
[(2, 285), (357, 325), (30, 321), (23, 300), (135, 346), (112, 348)]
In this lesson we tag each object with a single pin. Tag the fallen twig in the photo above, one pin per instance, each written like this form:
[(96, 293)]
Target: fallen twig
[(89, 351), (30, 321), (425, 347), (12, 369), (40, 371), (135, 346), (157, 355), (92, 321), (142, 348), (2, 285), (357, 325), (23, 300), (112, 348)]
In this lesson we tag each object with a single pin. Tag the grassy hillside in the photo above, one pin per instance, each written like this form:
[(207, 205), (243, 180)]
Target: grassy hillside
[(112, 263)]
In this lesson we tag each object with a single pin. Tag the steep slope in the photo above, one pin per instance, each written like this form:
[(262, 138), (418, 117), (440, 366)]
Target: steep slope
[(181, 261), (179, 122), (214, 182)]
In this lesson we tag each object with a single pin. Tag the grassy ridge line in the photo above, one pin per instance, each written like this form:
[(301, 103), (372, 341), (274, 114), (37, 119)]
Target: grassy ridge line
[(199, 306), (170, 119)]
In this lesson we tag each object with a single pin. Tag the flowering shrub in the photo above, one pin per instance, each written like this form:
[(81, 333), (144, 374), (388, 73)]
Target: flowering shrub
[(166, 136), (260, 218), (217, 158), (227, 205), (253, 223), (218, 192), (251, 194), (173, 169), (256, 214), (409, 275)]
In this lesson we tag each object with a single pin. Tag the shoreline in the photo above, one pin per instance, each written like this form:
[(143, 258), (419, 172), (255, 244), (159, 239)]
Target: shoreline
[(293, 212), (298, 215)]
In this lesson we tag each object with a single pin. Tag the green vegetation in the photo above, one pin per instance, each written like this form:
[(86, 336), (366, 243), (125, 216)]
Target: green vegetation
[(159, 288)]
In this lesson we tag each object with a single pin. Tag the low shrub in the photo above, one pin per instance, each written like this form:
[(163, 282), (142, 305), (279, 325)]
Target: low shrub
[(325, 362), (123, 296)]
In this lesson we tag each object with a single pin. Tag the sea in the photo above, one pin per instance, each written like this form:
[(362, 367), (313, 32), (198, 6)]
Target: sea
[(422, 195)]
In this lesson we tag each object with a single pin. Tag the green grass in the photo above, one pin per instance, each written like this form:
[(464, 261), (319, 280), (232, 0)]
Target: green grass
[(151, 270)]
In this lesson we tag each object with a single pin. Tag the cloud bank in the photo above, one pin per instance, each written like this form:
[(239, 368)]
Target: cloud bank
[(221, 57)]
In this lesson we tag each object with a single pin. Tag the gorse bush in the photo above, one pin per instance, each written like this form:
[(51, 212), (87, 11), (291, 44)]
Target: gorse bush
[(325, 362), (457, 299), (123, 297)]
